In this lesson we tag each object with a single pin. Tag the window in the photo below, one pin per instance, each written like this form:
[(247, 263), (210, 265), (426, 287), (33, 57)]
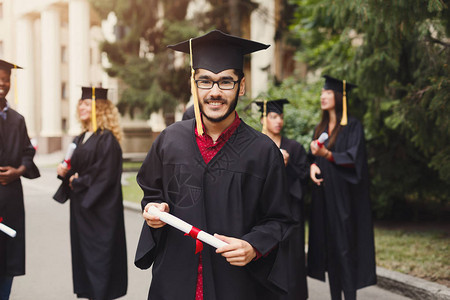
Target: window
[(64, 124), (63, 54), (63, 90)]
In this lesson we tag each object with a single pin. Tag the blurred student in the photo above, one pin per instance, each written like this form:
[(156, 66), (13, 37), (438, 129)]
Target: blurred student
[(16, 160), (341, 239), (93, 184), (296, 162)]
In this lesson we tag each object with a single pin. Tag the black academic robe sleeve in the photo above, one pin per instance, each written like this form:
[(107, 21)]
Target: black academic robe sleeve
[(265, 235), (350, 161), (63, 192), (149, 179), (28, 153), (17, 149), (297, 169)]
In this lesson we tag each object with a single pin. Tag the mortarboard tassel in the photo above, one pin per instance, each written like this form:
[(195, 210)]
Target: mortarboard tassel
[(16, 98), (198, 119), (344, 107), (93, 112), (264, 129)]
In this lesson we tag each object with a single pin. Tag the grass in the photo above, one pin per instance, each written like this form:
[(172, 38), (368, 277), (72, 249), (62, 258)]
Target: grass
[(416, 249), (131, 166), (130, 189), (420, 251)]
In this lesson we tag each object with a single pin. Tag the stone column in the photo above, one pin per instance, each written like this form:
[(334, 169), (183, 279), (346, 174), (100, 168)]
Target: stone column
[(51, 76), (79, 24), (262, 30), (25, 78)]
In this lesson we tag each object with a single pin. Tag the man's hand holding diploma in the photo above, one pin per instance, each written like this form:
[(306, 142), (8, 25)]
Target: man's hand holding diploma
[(152, 220), (238, 252)]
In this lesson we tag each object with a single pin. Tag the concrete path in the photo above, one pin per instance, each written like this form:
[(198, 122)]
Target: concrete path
[(49, 270)]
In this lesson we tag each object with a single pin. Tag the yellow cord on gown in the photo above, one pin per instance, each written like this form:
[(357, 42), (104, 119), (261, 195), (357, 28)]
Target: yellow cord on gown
[(344, 107), (198, 119), (264, 129), (93, 112)]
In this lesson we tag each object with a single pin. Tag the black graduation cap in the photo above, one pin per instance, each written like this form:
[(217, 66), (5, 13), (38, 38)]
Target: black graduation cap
[(342, 87), (217, 51), (4, 65), (337, 85), (272, 105), (87, 92)]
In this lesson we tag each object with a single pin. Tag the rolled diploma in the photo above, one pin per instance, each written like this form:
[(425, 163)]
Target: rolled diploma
[(322, 138), (8, 230), (69, 154), (185, 227)]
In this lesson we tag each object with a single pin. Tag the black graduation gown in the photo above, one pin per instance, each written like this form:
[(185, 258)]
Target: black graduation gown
[(240, 193), (297, 173), (341, 230), (97, 231), (15, 150)]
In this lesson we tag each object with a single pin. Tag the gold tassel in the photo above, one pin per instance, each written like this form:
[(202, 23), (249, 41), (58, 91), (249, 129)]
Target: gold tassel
[(264, 129), (93, 112), (344, 107), (16, 97), (198, 119)]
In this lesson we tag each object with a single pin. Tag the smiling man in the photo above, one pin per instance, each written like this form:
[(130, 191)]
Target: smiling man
[(220, 175), (16, 160)]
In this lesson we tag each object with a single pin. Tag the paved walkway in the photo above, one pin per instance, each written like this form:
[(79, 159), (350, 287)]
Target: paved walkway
[(49, 268)]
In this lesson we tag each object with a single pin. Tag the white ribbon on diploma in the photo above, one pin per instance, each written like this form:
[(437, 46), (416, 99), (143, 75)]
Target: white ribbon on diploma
[(185, 227), (8, 230)]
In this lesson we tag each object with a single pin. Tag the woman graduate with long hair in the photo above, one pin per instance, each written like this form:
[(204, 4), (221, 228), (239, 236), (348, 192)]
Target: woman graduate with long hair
[(93, 184), (341, 238)]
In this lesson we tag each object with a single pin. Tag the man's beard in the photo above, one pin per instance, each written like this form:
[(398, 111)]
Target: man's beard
[(231, 109)]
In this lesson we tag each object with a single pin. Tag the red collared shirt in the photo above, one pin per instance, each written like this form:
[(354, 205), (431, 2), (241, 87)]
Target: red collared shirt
[(209, 149)]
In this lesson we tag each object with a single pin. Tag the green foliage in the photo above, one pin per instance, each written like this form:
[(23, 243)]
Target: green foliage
[(300, 116), (398, 52), (140, 58)]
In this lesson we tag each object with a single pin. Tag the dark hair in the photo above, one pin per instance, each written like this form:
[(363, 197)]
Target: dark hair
[(239, 73), (326, 119)]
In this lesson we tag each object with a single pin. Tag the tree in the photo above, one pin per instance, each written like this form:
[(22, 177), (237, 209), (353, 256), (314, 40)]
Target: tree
[(398, 52), (139, 56)]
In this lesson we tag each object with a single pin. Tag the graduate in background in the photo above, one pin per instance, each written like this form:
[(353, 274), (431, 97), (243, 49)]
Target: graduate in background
[(16, 159), (188, 113), (341, 239), (93, 184), (296, 162), (220, 175)]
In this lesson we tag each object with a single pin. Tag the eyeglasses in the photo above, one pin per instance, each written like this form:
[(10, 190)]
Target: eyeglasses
[(206, 84)]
